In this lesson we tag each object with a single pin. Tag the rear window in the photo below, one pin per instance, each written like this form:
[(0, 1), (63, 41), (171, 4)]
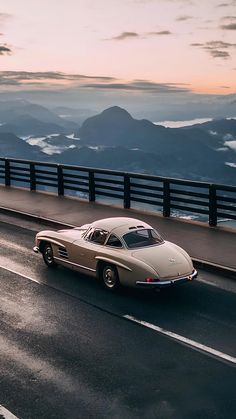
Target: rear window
[(142, 238), (113, 241)]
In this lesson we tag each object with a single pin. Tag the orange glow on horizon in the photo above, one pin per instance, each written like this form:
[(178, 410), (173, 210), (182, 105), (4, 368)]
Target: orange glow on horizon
[(213, 90)]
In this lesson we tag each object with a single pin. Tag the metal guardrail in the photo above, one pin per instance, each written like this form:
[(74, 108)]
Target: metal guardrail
[(210, 200)]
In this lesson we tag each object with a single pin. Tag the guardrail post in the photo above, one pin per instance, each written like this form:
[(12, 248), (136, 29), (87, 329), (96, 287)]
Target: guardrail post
[(126, 191), (32, 177), (7, 173), (60, 180), (166, 198), (91, 186), (212, 206)]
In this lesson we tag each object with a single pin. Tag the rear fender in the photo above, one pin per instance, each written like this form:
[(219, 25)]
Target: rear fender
[(113, 262)]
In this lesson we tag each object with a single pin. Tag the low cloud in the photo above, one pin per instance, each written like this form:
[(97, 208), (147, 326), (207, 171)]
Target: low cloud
[(125, 35), (23, 77), (183, 18), (219, 54), (217, 49), (223, 5), (134, 35), (5, 49), (230, 26), (228, 18), (157, 33), (230, 3), (52, 81), (4, 82), (144, 86)]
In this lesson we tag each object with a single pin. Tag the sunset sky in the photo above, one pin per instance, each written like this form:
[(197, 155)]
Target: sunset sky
[(134, 46)]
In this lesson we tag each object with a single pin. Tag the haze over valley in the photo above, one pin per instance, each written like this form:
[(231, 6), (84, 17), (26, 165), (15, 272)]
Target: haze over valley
[(113, 139)]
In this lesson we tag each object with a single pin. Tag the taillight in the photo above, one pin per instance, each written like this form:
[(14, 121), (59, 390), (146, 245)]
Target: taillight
[(150, 279)]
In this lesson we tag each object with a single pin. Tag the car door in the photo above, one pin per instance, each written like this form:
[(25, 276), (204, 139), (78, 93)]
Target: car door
[(87, 248)]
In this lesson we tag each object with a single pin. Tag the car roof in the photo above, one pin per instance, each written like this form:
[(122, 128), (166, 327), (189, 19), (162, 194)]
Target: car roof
[(120, 225)]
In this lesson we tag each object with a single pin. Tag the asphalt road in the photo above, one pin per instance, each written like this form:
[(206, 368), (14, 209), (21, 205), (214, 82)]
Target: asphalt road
[(68, 349)]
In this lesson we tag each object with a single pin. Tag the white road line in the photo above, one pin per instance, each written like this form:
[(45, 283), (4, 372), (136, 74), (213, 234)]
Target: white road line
[(184, 340), (179, 338), (6, 414), (20, 274)]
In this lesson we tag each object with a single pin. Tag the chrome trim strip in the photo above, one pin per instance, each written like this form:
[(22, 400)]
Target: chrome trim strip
[(168, 282), (36, 249), (75, 264)]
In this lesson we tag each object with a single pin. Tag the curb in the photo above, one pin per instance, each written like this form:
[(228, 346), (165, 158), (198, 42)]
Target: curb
[(215, 268), (200, 263), (37, 218)]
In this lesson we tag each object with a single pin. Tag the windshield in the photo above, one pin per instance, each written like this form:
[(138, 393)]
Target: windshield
[(142, 238)]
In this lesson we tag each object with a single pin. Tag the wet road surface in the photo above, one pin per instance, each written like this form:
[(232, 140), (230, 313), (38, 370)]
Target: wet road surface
[(67, 350)]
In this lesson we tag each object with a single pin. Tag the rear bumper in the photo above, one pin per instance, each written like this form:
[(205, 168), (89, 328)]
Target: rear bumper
[(167, 283)]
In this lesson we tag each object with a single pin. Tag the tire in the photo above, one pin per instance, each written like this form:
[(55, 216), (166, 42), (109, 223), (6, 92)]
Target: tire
[(47, 253), (110, 277)]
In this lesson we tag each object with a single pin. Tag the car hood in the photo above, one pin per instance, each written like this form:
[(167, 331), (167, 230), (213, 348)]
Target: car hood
[(72, 234), (167, 259)]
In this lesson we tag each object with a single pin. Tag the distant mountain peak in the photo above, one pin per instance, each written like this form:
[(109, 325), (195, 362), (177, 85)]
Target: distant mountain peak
[(113, 118), (117, 113)]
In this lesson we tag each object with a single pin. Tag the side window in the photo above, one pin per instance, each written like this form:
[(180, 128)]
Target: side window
[(97, 236), (113, 241)]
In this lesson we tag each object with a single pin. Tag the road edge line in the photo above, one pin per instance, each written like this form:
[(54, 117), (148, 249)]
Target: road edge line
[(182, 339)]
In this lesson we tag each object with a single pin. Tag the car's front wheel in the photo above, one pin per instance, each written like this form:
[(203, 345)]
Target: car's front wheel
[(47, 253), (110, 277)]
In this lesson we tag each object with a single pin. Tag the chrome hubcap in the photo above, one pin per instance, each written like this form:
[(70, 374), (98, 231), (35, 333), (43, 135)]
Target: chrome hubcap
[(109, 277), (48, 254)]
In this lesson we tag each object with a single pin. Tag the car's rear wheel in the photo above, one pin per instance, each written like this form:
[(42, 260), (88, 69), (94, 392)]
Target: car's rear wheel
[(47, 253), (110, 277)]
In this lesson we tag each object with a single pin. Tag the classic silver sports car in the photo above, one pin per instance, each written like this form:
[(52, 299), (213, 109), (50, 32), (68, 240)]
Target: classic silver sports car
[(119, 251)]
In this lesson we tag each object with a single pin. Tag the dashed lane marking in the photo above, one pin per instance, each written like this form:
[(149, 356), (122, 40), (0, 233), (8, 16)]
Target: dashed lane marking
[(184, 340), (4, 413)]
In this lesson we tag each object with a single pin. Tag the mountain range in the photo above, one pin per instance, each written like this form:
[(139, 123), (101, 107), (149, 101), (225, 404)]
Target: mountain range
[(114, 139), (24, 118)]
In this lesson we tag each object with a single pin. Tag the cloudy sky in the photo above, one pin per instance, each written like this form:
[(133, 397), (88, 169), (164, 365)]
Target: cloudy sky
[(125, 46)]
